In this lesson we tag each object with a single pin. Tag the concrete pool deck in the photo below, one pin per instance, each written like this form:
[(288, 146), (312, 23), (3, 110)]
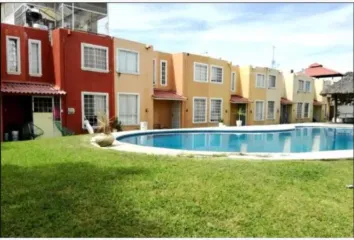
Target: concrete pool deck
[(319, 155)]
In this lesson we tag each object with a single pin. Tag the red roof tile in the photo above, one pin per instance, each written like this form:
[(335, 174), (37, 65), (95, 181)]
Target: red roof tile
[(285, 101), (30, 88), (317, 70), (238, 99), (167, 95), (317, 103)]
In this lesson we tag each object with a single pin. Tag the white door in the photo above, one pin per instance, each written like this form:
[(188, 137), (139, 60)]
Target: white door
[(43, 115), (176, 114)]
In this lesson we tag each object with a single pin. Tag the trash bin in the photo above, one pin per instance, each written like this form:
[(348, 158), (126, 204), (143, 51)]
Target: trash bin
[(14, 135), (6, 138), (143, 126)]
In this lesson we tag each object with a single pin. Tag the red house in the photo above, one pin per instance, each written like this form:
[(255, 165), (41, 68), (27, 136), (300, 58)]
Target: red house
[(53, 84)]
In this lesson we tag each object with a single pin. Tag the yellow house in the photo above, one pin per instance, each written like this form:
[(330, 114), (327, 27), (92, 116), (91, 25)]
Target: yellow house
[(300, 92), (263, 89), (133, 81), (206, 84)]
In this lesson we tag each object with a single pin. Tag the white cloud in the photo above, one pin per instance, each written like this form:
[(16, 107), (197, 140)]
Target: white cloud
[(242, 35)]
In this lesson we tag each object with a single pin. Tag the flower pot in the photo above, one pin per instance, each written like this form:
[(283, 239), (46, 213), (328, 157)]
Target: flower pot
[(239, 123), (221, 124)]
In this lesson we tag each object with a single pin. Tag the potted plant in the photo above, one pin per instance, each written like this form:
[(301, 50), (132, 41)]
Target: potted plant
[(239, 121), (106, 138), (221, 122), (116, 125)]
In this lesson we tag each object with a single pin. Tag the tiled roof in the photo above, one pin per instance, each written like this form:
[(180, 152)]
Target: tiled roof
[(167, 95), (285, 101), (317, 70), (238, 99), (30, 88), (317, 103)]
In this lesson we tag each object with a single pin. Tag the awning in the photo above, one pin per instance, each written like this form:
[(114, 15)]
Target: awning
[(285, 101), (167, 95), (317, 103), (30, 88), (238, 99)]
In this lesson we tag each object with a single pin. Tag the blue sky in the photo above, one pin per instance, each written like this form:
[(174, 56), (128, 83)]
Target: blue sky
[(243, 33)]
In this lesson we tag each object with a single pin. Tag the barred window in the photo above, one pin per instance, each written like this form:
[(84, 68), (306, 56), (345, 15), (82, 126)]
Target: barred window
[(271, 81), (199, 110), (216, 74), (301, 86), (271, 107), (299, 110), (233, 82), (94, 105), (94, 58), (308, 86), (13, 55), (200, 72), (163, 72), (260, 81), (306, 110), (154, 72), (259, 113), (215, 110), (35, 57), (128, 109), (128, 61)]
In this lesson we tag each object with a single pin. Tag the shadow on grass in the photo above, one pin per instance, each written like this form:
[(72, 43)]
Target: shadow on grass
[(69, 200)]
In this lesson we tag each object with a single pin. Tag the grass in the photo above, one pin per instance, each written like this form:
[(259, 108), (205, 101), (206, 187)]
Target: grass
[(64, 187)]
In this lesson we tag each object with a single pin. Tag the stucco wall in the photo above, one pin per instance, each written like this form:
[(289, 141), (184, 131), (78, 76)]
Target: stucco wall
[(136, 83)]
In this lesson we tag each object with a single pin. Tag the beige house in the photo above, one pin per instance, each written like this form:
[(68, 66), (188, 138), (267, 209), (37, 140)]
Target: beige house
[(300, 93), (263, 89)]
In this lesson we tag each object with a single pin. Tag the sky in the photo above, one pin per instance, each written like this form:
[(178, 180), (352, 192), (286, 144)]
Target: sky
[(244, 33)]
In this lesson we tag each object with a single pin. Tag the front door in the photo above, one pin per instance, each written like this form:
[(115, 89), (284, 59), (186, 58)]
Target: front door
[(241, 107), (176, 114), (284, 114), (43, 115)]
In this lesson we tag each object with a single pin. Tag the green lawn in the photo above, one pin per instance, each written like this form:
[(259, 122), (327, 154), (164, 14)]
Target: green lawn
[(64, 187)]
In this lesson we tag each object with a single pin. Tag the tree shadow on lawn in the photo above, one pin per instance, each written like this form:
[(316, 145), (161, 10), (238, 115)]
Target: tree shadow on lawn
[(70, 200)]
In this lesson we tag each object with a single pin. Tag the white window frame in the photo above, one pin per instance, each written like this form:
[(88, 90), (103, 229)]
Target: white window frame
[(207, 73), (211, 74), (166, 72), (83, 45), (221, 109), (154, 72), (206, 109), (301, 110), (275, 81), (233, 80), (298, 86), (30, 41), (18, 55), (138, 107), (255, 110), (268, 118), (264, 82), (83, 105), (138, 59), (308, 111)]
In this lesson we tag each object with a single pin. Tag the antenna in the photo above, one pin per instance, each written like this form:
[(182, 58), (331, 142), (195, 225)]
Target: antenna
[(273, 57)]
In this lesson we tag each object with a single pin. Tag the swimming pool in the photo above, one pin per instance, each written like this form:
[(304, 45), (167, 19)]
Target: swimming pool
[(298, 140)]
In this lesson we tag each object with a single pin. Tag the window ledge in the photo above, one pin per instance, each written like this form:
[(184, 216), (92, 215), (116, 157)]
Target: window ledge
[(199, 122), (94, 70), (35, 75), (216, 82), (14, 73), (200, 81), (129, 73)]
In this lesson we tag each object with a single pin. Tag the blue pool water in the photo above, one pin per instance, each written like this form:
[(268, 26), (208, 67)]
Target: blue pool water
[(304, 139)]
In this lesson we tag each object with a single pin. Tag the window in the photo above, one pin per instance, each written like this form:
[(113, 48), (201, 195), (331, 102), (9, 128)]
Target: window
[(271, 107), (200, 72), (299, 110), (94, 58), (215, 110), (35, 57), (199, 110), (233, 82), (260, 81), (154, 72), (13, 55), (216, 74), (301, 86), (128, 61), (128, 108), (93, 105), (271, 81), (259, 113), (163, 72), (306, 110), (308, 86)]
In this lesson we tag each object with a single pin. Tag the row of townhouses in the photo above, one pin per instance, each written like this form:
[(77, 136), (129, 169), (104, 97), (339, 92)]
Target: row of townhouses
[(61, 77)]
